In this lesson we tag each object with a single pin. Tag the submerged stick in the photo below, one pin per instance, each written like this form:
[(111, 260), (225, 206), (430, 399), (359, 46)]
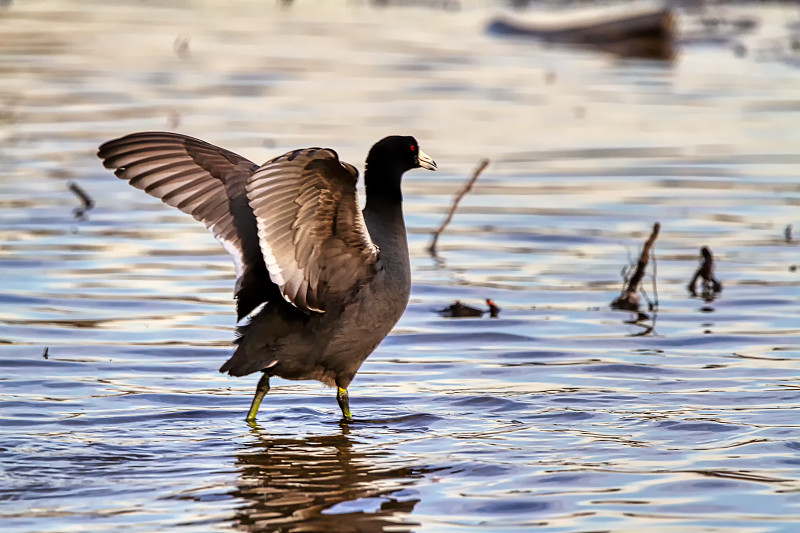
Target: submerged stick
[(644, 257), (629, 299), (481, 167), (705, 271), (83, 196)]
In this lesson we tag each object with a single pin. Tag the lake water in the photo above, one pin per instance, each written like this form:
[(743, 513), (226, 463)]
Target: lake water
[(560, 415)]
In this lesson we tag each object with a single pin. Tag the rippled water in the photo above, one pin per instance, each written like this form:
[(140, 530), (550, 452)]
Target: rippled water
[(559, 415)]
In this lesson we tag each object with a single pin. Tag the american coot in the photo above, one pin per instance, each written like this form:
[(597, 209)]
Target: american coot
[(332, 280)]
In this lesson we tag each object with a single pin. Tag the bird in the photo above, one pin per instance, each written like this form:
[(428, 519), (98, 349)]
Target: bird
[(461, 310), (319, 282)]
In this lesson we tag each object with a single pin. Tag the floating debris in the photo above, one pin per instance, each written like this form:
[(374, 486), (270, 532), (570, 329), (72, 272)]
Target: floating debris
[(461, 310), (628, 299), (44, 353), (84, 197), (711, 286)]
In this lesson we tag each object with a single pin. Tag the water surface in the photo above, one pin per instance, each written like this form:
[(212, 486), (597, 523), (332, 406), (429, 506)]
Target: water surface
[(559, 415)]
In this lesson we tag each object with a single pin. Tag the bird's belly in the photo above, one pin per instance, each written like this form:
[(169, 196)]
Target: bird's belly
[(371, 319)]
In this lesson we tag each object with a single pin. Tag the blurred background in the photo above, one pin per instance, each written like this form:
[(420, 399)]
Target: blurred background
[(599, 119)]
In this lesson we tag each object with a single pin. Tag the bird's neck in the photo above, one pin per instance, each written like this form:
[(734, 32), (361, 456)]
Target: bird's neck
[(383, 213), (382, 184), (383, 216), (385, 224), (384, 219)]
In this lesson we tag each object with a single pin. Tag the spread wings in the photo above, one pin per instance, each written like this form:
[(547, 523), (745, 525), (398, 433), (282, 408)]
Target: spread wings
[(296, 217), (312, 234)]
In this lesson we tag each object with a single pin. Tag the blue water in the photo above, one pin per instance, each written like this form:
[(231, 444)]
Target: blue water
[(561, 415)]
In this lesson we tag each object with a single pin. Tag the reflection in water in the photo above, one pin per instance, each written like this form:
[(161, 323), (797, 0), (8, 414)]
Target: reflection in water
[(322, 483), (549, 414)]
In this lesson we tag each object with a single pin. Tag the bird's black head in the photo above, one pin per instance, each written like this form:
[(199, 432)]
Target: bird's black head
[(387, 160)]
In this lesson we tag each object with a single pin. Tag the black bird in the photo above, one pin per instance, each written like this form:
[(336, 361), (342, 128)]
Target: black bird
[(331, 280)]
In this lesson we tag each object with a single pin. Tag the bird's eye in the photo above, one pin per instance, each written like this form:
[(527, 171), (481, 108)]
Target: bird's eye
[(413, 147)]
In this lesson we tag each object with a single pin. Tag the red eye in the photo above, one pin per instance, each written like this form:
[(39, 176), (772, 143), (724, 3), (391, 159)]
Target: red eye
[(413, 147)]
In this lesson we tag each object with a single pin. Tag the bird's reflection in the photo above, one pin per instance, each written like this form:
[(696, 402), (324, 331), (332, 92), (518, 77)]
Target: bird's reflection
[(322, 483)]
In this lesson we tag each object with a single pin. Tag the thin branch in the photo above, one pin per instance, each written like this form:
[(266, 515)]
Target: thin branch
[(84, 197), (481, 167), (655, 284), (629, 298), (633, 284), (654, 304)]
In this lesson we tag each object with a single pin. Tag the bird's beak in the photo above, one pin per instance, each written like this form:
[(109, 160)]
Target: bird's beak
[(425, 161)]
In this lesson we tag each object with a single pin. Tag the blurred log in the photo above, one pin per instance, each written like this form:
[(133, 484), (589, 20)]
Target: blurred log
[(647, 35)]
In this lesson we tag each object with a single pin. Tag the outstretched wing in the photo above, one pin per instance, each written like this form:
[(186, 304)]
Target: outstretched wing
[(204, 181), (310, 228)]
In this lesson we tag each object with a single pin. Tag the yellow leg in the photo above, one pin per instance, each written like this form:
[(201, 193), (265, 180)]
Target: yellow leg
[(261, 390), (344, 403)]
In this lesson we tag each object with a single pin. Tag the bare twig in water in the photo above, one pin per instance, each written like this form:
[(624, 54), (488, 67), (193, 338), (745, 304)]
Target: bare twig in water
[(629, 297), (711, 286), (481, 167), (84, 197), (654, 303)]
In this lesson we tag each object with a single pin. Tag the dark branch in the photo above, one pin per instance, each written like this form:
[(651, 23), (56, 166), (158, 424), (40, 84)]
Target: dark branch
[(481, 167), (711, 285), (83, 196), (629, 299)]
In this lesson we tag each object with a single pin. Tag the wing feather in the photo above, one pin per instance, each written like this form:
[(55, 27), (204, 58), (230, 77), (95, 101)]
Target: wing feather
[(205, 181), (311, 231)]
